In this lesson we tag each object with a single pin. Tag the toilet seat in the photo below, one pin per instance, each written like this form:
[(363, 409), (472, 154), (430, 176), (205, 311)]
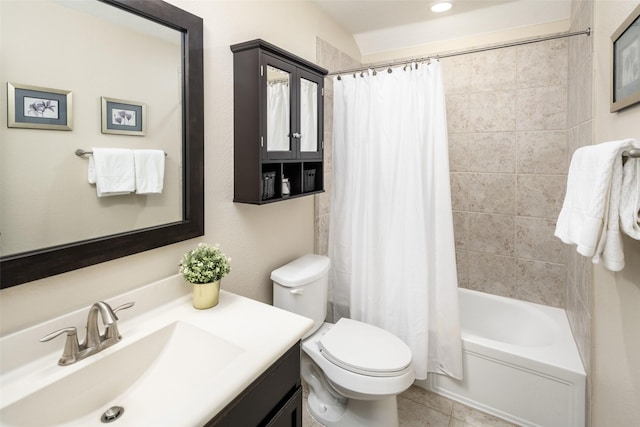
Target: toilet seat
[(365, 349)]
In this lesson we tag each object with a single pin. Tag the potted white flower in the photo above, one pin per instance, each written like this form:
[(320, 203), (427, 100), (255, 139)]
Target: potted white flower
[(203, 267)]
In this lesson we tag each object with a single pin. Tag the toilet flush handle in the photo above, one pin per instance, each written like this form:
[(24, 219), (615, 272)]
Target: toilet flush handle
[(297, 291)]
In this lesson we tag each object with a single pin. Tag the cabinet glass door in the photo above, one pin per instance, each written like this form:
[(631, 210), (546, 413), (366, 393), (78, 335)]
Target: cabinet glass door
[(278, 109), (310, 99), (308, 115)]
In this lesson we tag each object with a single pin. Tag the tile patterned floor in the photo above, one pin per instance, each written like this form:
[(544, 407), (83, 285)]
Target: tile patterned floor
[(421, 408)]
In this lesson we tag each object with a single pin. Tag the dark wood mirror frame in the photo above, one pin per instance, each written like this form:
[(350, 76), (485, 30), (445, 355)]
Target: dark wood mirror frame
[(33, 265)]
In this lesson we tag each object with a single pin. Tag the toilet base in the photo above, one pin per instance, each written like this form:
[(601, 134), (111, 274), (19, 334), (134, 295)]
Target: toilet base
[(355, 413)]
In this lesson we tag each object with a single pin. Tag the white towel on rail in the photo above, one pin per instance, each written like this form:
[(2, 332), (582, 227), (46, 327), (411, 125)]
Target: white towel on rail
[(630, 199), (114, 171), (591, 210), (149, 166)]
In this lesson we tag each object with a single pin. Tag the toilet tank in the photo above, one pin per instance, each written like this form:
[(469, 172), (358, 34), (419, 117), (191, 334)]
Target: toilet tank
[(301, 287)]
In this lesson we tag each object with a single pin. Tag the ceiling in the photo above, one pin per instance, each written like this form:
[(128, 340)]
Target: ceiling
[(386, 25)]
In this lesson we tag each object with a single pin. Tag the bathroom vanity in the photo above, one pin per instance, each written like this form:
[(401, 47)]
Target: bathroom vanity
[(274, 399), (278, 124), (237, 364)]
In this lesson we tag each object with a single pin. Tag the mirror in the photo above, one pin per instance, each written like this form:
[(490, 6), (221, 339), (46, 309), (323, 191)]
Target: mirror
[(278, 109), (177, 215), (308, 115)]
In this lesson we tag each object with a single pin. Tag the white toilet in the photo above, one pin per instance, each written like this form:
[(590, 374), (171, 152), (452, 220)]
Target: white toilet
[(354, 370)]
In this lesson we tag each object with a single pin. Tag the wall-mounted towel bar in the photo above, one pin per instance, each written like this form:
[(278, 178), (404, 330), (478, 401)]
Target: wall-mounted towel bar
[(634, 152), (80, 152)]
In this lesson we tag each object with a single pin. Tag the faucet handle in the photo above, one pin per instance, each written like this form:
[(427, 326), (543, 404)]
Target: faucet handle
[(111, 332), (71, 346), (124, 306)]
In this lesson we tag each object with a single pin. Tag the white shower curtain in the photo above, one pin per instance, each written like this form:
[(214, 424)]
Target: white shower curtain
[(391, 236)]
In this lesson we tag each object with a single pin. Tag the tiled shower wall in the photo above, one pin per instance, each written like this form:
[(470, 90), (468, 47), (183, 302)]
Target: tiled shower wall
[(580, 118), (507, 116)]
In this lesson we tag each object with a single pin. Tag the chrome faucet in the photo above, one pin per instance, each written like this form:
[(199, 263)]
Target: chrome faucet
[(94, 342), (93, 339)]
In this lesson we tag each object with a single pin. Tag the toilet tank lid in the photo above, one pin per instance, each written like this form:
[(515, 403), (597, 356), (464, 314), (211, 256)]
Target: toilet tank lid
[(301, 271)]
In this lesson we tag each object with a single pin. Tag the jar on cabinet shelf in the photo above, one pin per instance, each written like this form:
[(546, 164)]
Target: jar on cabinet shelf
[(278, 124)]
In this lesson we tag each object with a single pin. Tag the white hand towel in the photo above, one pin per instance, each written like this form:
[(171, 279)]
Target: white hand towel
[(590, 213), (114, 171), (91, 171), (630, 199), (149, 166)]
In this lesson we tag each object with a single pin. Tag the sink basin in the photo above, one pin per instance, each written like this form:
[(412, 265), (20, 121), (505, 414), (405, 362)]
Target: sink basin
[(144, 377)]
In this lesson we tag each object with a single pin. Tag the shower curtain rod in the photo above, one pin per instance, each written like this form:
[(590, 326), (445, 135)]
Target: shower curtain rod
[(586, 32)]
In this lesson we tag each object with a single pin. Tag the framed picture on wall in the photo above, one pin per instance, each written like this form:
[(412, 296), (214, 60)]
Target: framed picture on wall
[(123, 117), (35, 107), (625, 63)]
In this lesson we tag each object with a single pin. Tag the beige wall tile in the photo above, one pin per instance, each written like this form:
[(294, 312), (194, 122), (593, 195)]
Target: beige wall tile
[(492, 111), (460, 225), (462, 264), (540, 195), (543, 152), (323, 200), (541, 108), (458, 152), (321, 235), (543, 64), (328, 152), (492, 152), (583, 96), (492, 193), (494, 274), (540, 282), (489, 233), (327, 56), (459, 191), (457, 113), (492, 70), (457, 75), (535, 240), (580, 322)]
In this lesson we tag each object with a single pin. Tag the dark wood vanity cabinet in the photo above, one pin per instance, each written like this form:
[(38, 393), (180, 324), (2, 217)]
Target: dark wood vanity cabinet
[(278, 124), (273, 400)]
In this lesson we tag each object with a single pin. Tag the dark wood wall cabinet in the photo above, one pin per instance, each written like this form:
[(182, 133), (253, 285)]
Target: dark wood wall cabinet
[(273, 400), (278, 124)]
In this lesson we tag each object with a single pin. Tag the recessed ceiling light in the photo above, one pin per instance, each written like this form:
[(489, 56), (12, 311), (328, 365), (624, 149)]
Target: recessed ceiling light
[(441, 6)]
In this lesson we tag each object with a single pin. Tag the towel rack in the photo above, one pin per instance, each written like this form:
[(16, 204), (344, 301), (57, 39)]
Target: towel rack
[(634, 152), (80, 152)]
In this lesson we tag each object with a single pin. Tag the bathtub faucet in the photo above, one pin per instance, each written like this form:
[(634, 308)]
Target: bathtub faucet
[(94, 341)]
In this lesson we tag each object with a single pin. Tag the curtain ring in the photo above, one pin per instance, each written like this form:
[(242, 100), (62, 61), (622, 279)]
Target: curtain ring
[(339, 77), (389, 70), (375, 73)]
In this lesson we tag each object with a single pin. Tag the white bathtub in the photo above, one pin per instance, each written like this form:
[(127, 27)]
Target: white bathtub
[(520, 363)]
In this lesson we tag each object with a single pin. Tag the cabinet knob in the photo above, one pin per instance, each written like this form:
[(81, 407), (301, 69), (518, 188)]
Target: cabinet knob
[(297, 135)]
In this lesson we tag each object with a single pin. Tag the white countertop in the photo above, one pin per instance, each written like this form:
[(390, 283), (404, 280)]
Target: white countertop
[(264, 333)]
